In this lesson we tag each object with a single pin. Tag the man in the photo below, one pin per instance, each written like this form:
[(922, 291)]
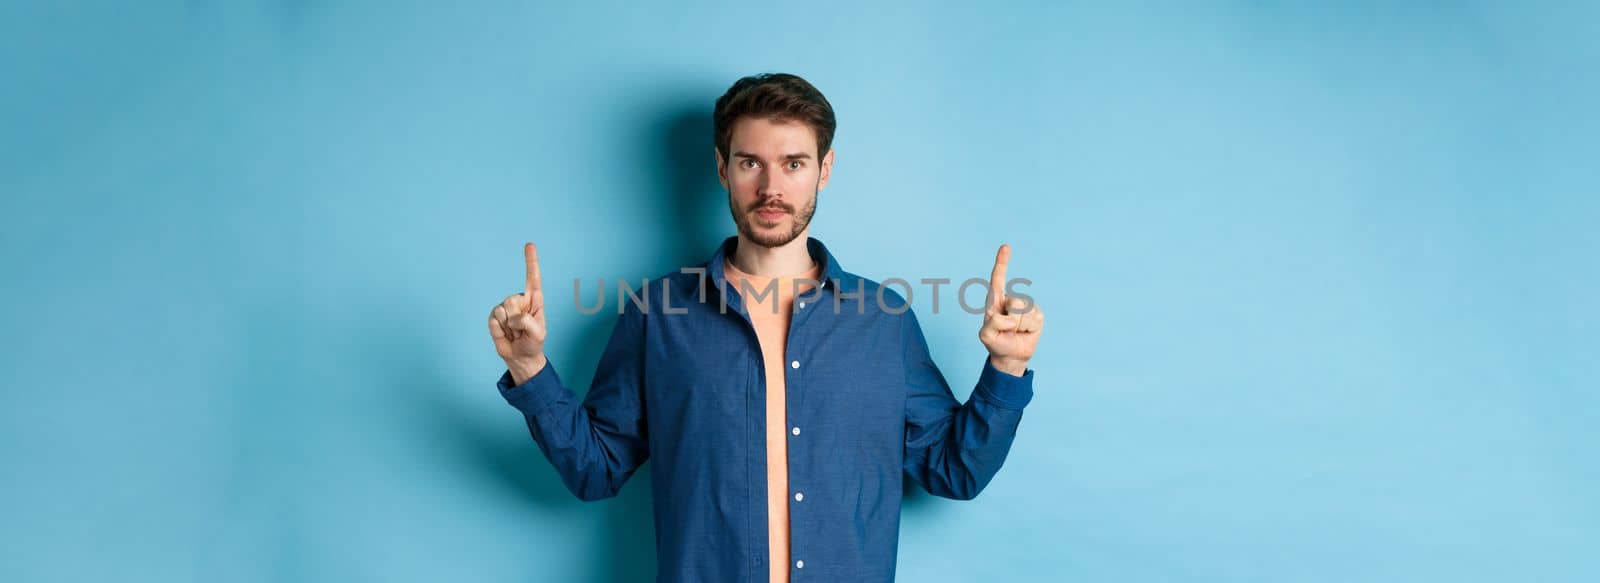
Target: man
[(782, 398)]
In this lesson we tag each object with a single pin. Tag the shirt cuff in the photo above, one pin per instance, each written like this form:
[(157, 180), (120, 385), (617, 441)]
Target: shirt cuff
[(1005, 389), (534, 395)]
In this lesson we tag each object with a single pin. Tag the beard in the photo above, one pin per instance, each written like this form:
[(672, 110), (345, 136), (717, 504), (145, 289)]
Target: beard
[(743, 218)]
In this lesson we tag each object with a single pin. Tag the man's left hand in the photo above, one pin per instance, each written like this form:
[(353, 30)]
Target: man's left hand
[(1011, 325)]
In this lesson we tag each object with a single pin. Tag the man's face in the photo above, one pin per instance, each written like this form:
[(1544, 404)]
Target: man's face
[(773, 176)]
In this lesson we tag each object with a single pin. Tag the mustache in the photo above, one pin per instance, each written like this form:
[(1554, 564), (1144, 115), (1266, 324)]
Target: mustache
[(771, 204)]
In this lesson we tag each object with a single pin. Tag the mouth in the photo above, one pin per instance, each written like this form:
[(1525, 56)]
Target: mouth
[(770, 214)]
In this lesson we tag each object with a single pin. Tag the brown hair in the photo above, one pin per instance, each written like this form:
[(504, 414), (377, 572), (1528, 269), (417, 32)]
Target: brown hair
[(778, 97)]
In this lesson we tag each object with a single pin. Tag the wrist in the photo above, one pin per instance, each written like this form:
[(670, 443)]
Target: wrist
[(522, 370), (1012, 366)]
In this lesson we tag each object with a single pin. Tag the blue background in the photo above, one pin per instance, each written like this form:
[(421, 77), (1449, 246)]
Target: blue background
[(1321, 276)]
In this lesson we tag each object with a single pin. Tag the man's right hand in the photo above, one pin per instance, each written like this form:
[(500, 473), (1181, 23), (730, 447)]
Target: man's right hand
[(517, 325)]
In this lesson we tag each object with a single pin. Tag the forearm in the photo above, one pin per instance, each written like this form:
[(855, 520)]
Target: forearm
[(592, 463), (958, 455), (522, 370), (1012, 366)]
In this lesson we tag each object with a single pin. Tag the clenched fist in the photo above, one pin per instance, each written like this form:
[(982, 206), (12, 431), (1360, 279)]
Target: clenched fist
[(517, 325), (1010, 327)]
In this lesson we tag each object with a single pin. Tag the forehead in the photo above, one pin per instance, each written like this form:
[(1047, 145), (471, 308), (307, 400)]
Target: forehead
[(769, 138)]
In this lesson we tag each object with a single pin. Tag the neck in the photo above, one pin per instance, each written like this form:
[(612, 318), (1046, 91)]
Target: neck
[(790, 259)]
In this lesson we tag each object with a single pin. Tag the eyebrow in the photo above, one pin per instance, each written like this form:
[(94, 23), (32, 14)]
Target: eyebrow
[(797, 156)]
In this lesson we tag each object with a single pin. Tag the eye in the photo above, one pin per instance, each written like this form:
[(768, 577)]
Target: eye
[(748, 163), (795, 165)]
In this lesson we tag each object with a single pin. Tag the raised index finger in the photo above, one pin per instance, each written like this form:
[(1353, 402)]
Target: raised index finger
[(530, 255), (997, 278)]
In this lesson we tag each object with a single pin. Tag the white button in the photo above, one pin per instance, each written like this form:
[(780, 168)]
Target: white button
[(802, 305), (799, 564), (796, 431), (794, 364), (799, 496)]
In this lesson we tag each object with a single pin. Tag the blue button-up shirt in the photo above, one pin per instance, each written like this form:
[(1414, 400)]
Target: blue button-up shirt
[(682, 381)]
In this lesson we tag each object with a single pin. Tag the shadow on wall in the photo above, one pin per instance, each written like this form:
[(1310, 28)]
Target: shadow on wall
[(479, 446), (682, 230), (692, 218)]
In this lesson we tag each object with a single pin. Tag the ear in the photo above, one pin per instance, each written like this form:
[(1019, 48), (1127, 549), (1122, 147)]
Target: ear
[(722, 168), (827, 169)]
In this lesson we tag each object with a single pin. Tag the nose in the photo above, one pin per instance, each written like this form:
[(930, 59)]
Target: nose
[(767, 185)]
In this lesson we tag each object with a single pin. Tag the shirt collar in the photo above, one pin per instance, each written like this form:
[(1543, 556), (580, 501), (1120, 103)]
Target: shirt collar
[(832, 274)]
